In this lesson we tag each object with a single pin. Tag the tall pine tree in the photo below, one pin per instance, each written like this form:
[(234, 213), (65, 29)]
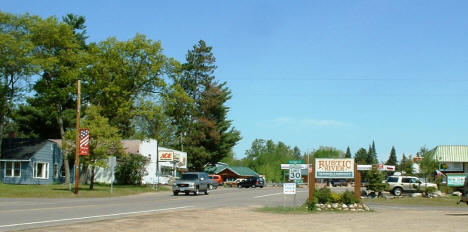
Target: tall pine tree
[(348, 153), (372, 154), (392, 159)]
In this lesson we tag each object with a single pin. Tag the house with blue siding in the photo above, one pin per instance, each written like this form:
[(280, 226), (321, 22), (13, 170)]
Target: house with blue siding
[(30, 161)]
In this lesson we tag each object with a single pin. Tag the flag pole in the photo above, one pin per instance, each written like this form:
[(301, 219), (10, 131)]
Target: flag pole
[(77, 139)]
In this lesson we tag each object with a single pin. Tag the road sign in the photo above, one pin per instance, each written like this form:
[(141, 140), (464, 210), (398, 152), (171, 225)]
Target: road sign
[(295, 161), (289, 188), (298, 166), (295, 174)]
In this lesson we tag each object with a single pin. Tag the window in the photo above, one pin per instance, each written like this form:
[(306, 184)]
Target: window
[(392, 179), (406, 180), (13, 169), (41, 170)]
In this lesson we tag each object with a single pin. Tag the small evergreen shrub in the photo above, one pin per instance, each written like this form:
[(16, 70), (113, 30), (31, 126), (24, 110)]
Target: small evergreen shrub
[(348, 198), (311, 205), (323, 195)]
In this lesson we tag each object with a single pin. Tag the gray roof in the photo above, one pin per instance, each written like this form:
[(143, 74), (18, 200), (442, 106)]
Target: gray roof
[(451, 153), (21, 149)]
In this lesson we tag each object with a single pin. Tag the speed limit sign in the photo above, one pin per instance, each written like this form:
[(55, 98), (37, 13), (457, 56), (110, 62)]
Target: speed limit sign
[(295, 174)]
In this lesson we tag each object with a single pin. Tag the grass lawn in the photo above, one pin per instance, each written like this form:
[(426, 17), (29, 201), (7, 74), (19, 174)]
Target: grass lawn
[(449, 201), (284, 210), (62, 191)]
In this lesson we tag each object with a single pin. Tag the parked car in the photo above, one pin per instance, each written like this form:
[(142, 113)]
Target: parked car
[(217, 179), (253, 182), (195, 182), (464, 196), (339, 182), (400, 184)]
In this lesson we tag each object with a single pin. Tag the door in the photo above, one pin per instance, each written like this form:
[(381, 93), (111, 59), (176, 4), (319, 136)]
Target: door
[(406, 184)]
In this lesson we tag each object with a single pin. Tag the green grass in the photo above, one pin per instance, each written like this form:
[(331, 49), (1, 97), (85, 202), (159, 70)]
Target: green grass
[(62, 191), (284, 210), (449, 201)]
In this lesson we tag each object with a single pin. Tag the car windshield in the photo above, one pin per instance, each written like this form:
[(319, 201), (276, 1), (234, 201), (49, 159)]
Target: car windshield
[(189, 177)]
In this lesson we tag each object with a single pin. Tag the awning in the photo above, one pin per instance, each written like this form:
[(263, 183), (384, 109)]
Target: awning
[(456, 153)]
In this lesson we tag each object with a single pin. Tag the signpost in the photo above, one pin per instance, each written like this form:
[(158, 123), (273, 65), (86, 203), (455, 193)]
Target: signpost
[(289, 189)]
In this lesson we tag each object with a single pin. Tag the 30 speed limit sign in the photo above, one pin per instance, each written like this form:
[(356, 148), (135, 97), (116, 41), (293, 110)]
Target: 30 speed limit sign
[(295, 174)]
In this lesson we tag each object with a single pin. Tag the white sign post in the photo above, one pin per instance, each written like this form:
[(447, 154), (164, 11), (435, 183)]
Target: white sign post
[(112, 165), (289, 189)]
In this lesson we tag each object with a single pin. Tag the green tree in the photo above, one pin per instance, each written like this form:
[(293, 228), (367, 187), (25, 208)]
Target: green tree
[(348, 153), (131, 169), (428, 164), (61, 60), (406, 165), (210, 136), (120, 73), (360, 157), (104, 141), (77, 23), (16, 61), (375, 179), (328, 152), (296, 153), (392, 159), (372, 154)]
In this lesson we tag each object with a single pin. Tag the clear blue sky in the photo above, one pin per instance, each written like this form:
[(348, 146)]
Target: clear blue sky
[(313, 73)]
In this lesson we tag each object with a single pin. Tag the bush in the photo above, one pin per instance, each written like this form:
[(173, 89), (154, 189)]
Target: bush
[(348, 197), (311, 205), (131, 169), (335, 197), (323, 195)]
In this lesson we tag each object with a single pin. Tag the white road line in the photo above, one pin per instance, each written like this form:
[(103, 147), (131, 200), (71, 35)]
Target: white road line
[(97, 216), (275, 194)]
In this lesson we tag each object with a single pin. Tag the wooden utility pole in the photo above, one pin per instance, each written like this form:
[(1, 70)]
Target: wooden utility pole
[(311, 182), (357, 182), (77, 139)]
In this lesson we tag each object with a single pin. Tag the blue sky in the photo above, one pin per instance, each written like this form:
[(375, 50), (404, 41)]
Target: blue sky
[(313, 73)]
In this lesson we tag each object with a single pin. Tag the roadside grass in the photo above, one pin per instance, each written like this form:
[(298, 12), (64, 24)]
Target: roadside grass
[(284, 210), (62, 191), (448, 201)]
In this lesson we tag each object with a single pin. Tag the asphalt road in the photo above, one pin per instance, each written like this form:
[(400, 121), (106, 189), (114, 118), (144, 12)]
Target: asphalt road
[(19, 214)]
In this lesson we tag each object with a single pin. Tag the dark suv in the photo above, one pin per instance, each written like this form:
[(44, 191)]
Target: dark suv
[(253, 182)]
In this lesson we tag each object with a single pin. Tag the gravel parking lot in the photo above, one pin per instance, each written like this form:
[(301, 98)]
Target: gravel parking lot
[(248, 219)]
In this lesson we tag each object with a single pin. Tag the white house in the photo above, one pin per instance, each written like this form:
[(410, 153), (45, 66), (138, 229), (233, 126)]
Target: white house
[(149, 148)]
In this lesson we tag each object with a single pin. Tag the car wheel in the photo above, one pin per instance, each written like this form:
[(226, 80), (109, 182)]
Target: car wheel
[(254, 186), (210, 187), (196, 191), (207, 191), (261, 186), (187, 192), (239, 186), (397, 191), (176, 193)]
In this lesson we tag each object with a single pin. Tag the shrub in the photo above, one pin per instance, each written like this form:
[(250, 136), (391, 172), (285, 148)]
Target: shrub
[(131, 169), (311, 205), (430, 190), (323, 195), (348, 197), (335, 197)]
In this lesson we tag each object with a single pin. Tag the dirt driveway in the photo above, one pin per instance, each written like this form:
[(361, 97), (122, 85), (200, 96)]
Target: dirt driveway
[(247, 219)]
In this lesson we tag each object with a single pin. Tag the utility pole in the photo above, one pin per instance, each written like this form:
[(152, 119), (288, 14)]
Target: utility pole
[(77, 139)]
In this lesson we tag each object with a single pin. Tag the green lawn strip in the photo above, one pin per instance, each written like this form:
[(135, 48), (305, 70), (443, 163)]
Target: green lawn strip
[(448, 201), (284, 210), (62, 191)]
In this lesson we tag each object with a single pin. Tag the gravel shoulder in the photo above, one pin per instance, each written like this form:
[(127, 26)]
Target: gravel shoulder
[(248, 219)]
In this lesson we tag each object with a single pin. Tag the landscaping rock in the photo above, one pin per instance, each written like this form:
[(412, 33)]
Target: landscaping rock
[(354, 210), (335, 205), (319, 209), (344, 206), (329, 206), (317, 206), (456, 193), (416, 195), (366, 208)]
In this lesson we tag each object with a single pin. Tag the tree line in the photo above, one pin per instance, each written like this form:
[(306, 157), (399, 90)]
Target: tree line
[(130, 89), (266, 156)]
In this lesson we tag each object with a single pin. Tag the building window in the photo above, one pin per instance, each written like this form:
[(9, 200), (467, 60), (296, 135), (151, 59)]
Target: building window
[(13, 169), (41, 170)]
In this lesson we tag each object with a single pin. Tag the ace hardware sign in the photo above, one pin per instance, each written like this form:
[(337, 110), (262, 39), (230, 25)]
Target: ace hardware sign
[(165, 156)]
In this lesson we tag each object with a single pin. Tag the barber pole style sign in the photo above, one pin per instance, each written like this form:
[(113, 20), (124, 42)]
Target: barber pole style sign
[(84, 141)]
